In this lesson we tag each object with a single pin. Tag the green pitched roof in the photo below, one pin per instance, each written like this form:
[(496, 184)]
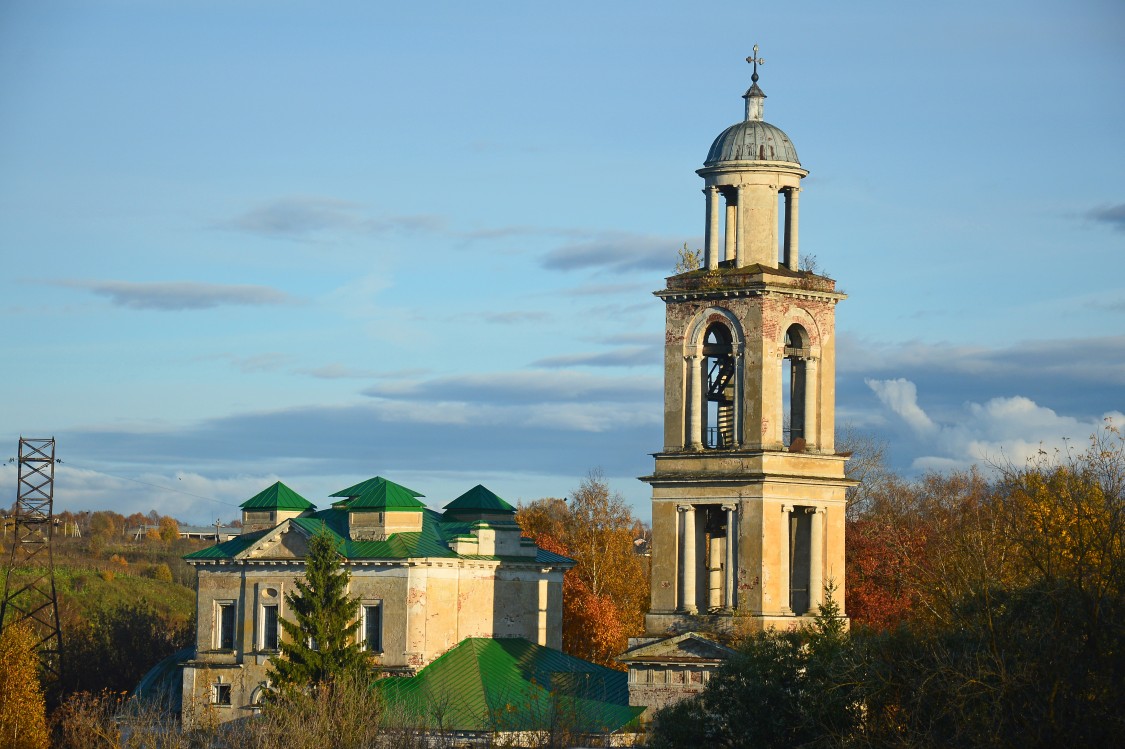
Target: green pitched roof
[(432, 541), (228, 549), (378, 494), (278, 497), (513, 685), (479, 499)]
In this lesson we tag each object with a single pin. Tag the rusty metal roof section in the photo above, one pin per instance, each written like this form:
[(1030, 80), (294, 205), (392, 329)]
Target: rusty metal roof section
[(752, 140)]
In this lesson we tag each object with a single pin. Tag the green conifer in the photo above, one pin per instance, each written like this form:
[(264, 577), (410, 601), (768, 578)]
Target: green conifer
[(320, 645)]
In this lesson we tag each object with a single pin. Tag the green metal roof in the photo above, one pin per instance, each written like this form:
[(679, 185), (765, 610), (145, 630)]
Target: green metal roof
[(162, 686), (480, 499), (278, 497), (432, 541), (228, 549), (513, 685), (378, 495)]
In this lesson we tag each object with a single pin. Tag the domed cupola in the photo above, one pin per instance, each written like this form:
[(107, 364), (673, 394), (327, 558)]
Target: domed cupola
[(751, 167)]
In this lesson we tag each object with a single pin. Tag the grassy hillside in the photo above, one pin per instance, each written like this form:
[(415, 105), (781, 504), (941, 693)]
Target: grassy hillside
[(123, 605)]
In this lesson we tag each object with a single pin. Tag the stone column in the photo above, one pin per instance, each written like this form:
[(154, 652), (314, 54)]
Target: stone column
[(730, 230), (687, 564), (739, 381), (810, 403), (715, 571), (783, 568), (711, 239), (695, 397), (791, 195), (816, 559), (740, 232), (543, 619), (731, 570)]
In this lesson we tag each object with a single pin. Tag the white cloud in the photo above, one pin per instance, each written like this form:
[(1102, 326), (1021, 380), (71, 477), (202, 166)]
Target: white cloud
[(998, 431), (901, 397), (186, 496)]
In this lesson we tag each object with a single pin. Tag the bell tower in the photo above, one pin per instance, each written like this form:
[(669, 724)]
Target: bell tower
[(748, 491)]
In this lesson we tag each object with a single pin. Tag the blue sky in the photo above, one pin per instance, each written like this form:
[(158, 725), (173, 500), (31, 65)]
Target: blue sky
[(320, 241)]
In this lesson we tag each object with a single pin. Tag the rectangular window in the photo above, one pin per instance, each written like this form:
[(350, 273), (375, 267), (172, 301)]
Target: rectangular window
[(372, 627), (220, 694), (269, 627), (224, 625)]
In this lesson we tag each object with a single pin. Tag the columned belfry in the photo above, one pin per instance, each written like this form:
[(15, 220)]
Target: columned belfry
[(748, 491)]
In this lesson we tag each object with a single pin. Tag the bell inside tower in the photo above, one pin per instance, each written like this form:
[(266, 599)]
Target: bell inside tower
[(718, 353)]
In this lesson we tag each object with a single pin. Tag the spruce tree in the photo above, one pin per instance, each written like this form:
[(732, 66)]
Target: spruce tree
[(320, 645)]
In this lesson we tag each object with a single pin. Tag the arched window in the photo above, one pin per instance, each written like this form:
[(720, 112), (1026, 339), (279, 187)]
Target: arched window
[(719, 364), (793, 384)]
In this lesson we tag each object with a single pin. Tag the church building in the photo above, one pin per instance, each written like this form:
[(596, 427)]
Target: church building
[(748, 492), (425, 581)]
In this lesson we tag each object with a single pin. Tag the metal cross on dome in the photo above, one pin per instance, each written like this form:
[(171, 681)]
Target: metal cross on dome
[(755, 61)]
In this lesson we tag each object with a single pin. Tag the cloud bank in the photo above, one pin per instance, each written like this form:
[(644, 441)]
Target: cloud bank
[(617, 252), (1114, 215), (994, 432), (173, 296), (302, 217)]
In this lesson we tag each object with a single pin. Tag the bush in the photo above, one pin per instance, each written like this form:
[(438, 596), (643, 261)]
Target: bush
[(161, 572)]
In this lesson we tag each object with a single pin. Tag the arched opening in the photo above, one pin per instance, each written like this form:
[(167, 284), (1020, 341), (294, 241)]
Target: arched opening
[(719, 364), (793, 384)]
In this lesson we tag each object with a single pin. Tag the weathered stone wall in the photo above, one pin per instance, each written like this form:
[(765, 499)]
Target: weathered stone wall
[(656, 687)]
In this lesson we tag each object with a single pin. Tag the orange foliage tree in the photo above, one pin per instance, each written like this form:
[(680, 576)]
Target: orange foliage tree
[(605, 595)]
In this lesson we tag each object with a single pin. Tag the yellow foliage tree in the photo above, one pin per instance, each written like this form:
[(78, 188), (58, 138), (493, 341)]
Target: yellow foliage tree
[(169, 529), (23, 712), (1067, 515)]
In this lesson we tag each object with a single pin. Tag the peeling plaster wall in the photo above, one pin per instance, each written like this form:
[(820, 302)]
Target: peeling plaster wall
[(428, 607)]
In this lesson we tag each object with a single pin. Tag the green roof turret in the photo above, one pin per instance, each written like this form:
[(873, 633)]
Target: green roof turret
[(479, 499), (378, 495), (278, 497)]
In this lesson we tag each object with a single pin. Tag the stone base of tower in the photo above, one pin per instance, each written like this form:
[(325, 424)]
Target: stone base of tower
[(722, 626), (745, 540)]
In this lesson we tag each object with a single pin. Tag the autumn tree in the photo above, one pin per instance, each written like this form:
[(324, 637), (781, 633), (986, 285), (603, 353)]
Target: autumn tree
[(169, 529), (915, 549), (23, 712), (320, 645), (884, 535), (605, 595), (105, 524), (1017, 636)]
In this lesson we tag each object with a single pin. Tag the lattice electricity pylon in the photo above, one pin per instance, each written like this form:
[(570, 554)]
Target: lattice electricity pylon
[(29, 587)]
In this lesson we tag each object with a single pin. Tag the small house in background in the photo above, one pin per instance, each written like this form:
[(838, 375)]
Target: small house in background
[(210, 532)]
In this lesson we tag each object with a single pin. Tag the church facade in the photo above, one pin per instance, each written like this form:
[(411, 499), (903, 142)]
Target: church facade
[(425, 581), (748, 492)]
